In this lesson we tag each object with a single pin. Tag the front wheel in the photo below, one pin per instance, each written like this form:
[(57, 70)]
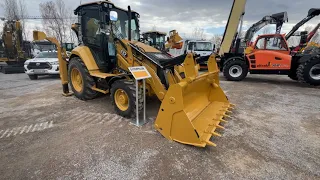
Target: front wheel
[(309, 72), (80, 80), (123, 94), (235, 70), (33, 77)]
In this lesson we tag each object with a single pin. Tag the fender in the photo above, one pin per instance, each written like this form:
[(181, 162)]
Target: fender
[(307, 57), (235, 57), (114, 78), (84, 53)]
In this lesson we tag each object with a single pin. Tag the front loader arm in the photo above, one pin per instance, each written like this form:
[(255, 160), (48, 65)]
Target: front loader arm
[(37, 36), (126, 59), (311, 14)]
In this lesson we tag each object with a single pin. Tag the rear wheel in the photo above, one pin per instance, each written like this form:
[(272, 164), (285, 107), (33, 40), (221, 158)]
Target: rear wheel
[(33, 77), (309, 72), (80, 80), (235, 70), (123, 94), (293, 76)]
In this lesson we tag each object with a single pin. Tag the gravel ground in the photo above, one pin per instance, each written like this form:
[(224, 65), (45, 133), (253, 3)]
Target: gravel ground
[(274, 134)]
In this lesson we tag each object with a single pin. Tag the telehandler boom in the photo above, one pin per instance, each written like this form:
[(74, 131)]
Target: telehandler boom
[(192, 107)]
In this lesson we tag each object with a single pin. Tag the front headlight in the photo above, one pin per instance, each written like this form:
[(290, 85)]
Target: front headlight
[(54, 63), (26, 63)]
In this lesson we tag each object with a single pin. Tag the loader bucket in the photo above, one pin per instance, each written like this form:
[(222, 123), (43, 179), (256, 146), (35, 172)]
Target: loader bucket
[(193, 109)]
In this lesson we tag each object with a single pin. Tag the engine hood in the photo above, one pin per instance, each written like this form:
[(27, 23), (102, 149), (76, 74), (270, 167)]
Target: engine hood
[(146, 48), (43, 60)]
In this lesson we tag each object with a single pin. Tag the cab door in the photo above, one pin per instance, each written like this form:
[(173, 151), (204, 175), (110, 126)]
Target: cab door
[(92, 20), (270, 53)]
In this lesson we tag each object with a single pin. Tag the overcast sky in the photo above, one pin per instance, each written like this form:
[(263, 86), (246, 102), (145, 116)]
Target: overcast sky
[(185, 15)]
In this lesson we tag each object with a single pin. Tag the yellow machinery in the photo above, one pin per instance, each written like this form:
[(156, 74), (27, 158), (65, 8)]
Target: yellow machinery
[(155, 39), (13, 50), (192, 107), (174, 40)]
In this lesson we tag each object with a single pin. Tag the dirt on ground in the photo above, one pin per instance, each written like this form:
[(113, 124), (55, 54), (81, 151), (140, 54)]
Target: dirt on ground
[(274, 134)]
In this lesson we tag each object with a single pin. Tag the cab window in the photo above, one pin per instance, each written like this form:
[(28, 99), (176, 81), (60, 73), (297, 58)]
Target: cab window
[(276, 43), (91, 21), (260, 44)]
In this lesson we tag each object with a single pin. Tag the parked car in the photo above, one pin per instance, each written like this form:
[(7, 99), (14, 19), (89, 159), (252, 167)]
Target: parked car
[(45, 63)]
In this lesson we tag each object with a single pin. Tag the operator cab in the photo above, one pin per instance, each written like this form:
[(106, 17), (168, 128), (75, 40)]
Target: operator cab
[(273, 42), (96, 27), (155, 39)]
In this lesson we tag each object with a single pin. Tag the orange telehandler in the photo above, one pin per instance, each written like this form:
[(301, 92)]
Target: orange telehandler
[(270, 54)]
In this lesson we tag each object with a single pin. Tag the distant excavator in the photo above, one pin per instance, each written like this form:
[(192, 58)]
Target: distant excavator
[(14, 51)]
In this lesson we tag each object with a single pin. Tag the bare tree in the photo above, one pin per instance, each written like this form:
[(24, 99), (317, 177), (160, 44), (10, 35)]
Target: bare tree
[(198, 33), (23, 13), (11, 10), (54, 16), (217, 39), (154, 28), (70, 34)]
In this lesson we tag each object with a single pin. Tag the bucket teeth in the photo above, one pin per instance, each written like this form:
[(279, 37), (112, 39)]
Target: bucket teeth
[(230, 112), (220, 127), (222, 120), (227, 116), (232, 105), (216, 134), (210, 143)]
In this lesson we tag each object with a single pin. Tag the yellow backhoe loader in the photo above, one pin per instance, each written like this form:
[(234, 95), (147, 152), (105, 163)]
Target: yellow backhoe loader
[(192, 108)]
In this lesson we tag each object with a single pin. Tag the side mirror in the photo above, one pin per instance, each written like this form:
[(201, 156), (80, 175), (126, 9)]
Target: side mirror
[(168, 39), (214, 47), (113, 16)]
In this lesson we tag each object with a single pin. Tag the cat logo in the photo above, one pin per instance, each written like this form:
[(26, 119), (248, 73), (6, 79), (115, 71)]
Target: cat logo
[(124, 53)]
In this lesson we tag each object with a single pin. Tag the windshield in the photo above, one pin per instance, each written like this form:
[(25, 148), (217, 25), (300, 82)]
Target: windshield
[(47, 55), (44, 46), (122, 25), (68, 46), (160, 39), (200, 46), (154, 39)]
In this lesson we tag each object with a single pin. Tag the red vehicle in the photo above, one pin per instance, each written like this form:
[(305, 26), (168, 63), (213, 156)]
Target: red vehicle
[(270, 54)]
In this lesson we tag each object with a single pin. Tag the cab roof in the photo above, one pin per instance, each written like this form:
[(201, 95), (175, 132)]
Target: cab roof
[(157, 32), (98, 3)]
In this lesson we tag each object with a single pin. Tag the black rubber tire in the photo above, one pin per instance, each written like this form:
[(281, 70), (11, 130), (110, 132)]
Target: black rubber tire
[(33, 77), (231, 63), (293, 77), (303, 72), (87, 93), (130, 88)]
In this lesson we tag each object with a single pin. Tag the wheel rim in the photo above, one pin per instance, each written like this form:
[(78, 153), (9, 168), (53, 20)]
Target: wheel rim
[(121, 99), (235, 71), (315, 72), (76, 80)]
